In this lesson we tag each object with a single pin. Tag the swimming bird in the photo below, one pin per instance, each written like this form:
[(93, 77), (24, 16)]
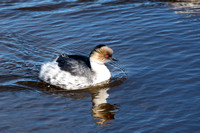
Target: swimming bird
[(74, 72)]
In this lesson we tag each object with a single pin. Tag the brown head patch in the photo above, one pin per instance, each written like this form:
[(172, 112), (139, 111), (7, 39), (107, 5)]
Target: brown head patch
[(100, 54)]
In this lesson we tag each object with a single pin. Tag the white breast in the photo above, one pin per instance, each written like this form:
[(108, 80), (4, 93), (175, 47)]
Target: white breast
[(101, 72)]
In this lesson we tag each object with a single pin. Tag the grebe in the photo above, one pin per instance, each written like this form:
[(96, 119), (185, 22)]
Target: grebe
[(74, 72)]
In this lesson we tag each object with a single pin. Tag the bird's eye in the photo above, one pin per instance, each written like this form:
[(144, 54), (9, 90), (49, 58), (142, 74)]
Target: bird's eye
[(107, 55)]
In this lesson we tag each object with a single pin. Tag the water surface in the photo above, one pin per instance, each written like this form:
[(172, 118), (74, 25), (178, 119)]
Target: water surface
[(155, 85)]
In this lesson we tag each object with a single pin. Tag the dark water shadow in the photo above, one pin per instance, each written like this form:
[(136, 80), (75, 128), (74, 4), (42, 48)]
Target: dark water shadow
[(47, 6), (56, 5)]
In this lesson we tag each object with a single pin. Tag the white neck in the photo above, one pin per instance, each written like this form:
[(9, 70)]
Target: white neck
[(101, 72)]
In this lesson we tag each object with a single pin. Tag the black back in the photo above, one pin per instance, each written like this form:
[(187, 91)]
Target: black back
[(77, 65)]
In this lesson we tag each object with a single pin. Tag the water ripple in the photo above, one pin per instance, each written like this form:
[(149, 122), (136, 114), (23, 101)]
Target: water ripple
[(155, 85)]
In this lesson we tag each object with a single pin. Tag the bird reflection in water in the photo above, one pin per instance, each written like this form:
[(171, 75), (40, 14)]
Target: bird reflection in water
[(103, 111)]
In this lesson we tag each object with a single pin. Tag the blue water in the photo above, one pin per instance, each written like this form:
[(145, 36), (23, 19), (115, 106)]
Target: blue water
[(155, 84)]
